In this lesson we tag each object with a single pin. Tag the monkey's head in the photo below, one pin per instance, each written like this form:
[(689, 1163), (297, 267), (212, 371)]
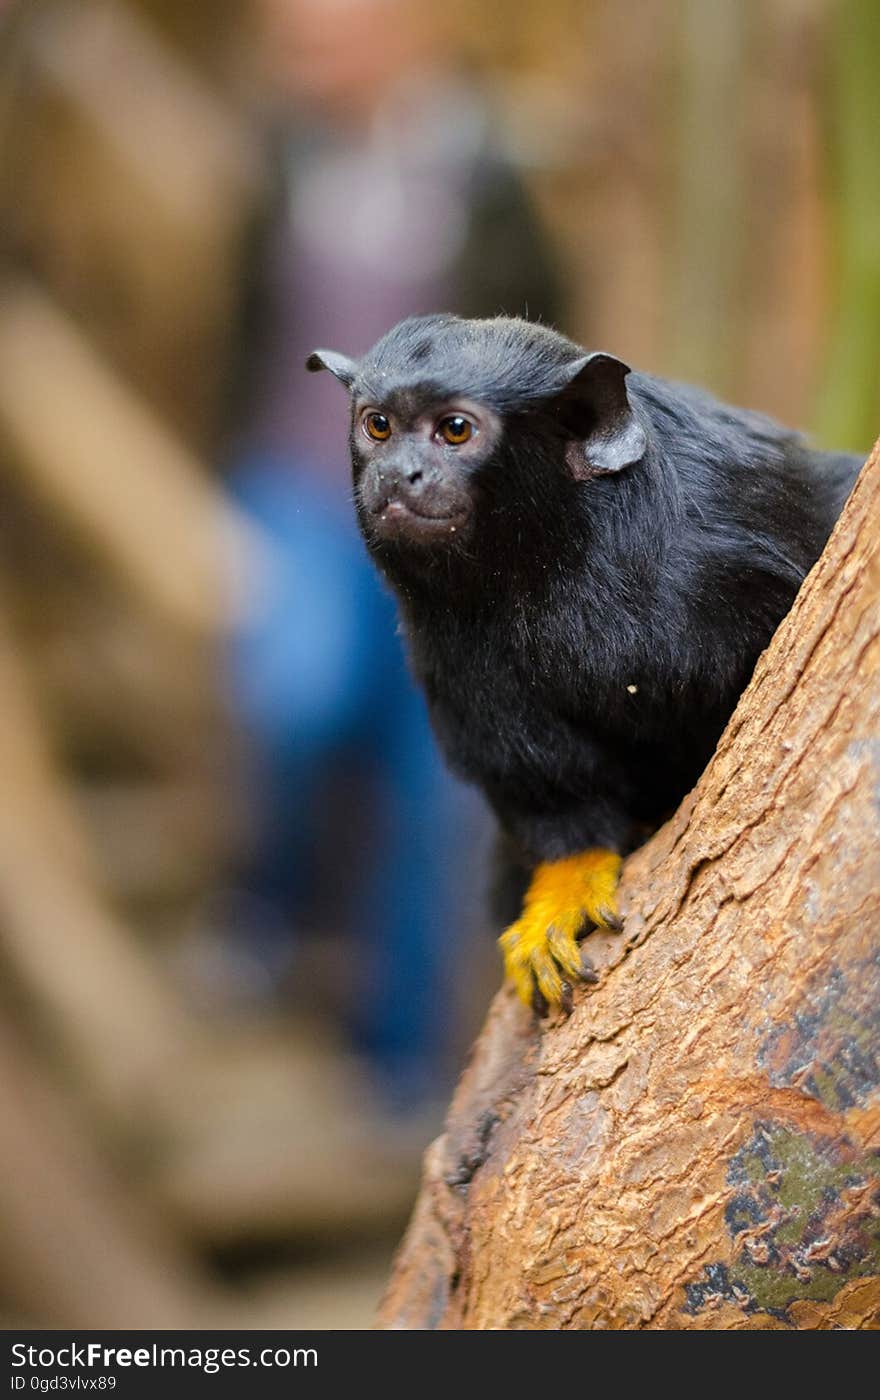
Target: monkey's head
[(456, 424)]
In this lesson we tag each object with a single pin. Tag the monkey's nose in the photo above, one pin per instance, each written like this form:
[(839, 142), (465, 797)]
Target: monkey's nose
[(405, 479), (409, 484)]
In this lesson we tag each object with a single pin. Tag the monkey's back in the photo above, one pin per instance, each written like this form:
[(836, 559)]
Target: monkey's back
[(622, 679)]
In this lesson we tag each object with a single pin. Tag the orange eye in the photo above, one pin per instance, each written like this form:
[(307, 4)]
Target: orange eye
[(456, 430), (377, 427)]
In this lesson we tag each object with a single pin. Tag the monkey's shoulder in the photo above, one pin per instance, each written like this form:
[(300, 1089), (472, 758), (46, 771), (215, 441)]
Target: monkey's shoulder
[(744, 466)]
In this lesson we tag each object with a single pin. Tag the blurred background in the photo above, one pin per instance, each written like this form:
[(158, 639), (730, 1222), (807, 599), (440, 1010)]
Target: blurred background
[(243, 941)]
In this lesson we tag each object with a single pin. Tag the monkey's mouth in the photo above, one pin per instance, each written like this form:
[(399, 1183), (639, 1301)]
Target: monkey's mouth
[(398, 519)]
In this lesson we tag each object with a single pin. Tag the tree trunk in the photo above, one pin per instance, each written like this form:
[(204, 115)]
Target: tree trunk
[(697, 1145)]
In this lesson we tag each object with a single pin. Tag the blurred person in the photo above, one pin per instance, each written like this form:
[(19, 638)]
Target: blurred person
[(392, 196)]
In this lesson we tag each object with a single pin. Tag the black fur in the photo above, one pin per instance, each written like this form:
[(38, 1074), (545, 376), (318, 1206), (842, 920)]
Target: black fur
[(624, 532)]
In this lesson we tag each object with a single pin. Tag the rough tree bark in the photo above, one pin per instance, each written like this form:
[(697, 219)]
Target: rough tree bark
[(698, 1145)]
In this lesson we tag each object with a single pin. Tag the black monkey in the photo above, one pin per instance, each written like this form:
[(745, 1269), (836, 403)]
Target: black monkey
[(588, 563)]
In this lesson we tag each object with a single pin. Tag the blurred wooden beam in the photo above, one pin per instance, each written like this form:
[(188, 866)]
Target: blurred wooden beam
[(96, 993), (276, 1133), (180, 136), (156, 840), (78, 1249), (98, 457)]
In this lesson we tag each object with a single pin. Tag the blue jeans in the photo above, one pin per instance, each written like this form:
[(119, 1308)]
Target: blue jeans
[(318, 672)]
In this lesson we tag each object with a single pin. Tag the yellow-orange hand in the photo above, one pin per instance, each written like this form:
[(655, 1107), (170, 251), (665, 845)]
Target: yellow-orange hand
[(541, 952)]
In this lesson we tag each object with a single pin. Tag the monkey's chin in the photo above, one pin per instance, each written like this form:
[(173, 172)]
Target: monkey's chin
[(400, 523)]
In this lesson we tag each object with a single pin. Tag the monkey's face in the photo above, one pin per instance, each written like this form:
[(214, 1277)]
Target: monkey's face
[(416, 462), (461, 427)]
